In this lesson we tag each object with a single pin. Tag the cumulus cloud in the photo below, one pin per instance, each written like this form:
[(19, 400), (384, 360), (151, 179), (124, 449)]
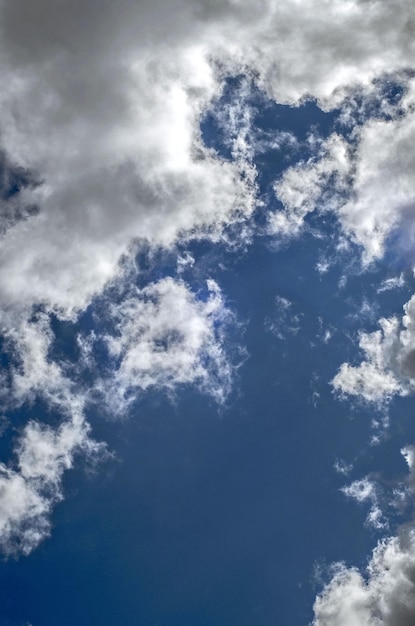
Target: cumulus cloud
[(388, 367), (383, 191), (110, 127), (383, 596), (32, 372), (31, 483), (104, 112), (161, 336), (367, 184)]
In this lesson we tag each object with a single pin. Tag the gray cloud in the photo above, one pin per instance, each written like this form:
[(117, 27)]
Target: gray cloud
[(103, 105)]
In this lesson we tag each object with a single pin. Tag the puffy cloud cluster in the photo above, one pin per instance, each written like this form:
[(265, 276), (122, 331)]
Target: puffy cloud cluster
[(368, 186), (102, 107), (388, 368), (32, 372), (31, 483), (383, 190), (385, 596)]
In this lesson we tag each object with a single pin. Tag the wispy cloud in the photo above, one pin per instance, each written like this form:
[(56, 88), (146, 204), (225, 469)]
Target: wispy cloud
[(165, 336), (33, 484)]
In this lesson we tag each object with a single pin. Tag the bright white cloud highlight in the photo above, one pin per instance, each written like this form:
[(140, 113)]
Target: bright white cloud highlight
[(383, 191)]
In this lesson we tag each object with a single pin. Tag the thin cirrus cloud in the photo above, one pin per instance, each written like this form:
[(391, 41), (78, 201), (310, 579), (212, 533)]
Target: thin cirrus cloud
[(101, 107)]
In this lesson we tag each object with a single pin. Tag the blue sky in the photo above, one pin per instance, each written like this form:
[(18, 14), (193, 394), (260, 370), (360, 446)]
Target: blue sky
[(207, 313)]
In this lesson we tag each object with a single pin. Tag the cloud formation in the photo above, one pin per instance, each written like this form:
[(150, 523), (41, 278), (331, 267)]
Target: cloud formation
[(164, 336), (104, 112), (159, 337), (366, 490), (100, 112), (384, 596), (319, 182), (388, 368), (33, 484)]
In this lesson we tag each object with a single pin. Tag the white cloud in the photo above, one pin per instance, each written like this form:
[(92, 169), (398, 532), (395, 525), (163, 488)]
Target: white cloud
[(34, 373), (408, 452), (33, 484), (366, 490), (164, 336), (305, 185), (384, 596), (388, 366), (395, 282), (370, 189), (383, 190)]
